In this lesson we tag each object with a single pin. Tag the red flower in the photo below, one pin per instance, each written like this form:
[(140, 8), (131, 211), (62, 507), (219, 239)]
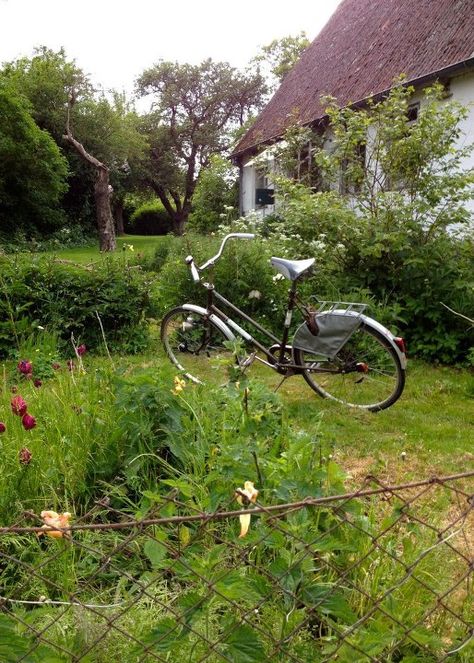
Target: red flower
[(38, 382), (81, 350), (3, 428), (25, 367), (28, 421), (19, 406), (25, 456)]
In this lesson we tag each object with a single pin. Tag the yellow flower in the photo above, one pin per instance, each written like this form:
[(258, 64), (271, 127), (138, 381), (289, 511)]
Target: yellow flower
[(179, 385), (53, 519), (251, 493)]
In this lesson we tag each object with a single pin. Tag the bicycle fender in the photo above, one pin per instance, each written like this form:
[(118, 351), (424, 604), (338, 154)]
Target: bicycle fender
[(212, 317), (370, 322)]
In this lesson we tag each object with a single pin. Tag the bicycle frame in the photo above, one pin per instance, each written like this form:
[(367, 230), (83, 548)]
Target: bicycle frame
[(281, 346), (279, 363)]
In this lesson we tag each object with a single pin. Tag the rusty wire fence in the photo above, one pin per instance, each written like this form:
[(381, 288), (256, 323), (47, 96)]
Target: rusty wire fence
[(384, 573)]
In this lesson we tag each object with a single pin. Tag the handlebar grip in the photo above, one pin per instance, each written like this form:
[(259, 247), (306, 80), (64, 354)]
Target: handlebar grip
[(195, 273)]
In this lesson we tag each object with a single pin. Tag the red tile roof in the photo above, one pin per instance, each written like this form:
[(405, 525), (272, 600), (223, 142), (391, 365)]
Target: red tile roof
[(363, 47)]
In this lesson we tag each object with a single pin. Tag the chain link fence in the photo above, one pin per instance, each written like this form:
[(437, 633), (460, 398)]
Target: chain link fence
[(382, 574)]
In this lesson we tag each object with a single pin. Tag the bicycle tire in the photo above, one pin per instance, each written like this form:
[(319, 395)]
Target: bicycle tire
[(378, 388), (196, 346)]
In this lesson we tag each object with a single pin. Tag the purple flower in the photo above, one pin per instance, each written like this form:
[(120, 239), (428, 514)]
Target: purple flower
[(25, 456), (25, 367), (28, 421), (19, 406), (38, 382), (81, 350)]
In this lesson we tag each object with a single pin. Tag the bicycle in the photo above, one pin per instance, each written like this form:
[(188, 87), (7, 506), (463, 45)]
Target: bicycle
[(342, 354)]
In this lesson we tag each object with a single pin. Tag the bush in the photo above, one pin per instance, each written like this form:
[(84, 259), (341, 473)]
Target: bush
[(150, 219), (32, 169), (242, 274), (216, 196), (67, 298)]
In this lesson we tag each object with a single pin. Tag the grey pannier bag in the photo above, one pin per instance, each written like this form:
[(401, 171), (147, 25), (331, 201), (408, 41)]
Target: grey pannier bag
[(334, 329)]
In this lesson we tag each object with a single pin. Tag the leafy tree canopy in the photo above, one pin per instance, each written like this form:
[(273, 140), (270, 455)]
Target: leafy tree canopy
[(32, 170), (279, 56), (193, 111)]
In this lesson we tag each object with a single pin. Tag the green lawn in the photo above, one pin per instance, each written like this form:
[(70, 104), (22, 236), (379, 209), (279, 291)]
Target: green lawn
[(140, 243), (429, 430)]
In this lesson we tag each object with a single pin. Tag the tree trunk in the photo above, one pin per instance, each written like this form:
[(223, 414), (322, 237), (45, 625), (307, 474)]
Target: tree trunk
[(105, 221), (179, 222), (118, 216), (102, 190)]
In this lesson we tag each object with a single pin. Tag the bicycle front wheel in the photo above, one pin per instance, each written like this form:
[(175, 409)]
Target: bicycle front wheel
[(366, 373), (197, 347)]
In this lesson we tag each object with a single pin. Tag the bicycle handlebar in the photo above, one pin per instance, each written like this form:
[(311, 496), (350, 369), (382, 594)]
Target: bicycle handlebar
[(192, 265), (211, 261)]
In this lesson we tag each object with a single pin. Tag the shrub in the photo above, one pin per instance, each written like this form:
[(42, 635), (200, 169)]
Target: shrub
[(67, 298), (150, 219), (242, 274), (216, 196)]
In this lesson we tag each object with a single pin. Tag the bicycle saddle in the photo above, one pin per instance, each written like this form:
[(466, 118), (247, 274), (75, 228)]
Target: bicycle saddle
[(291, 269)]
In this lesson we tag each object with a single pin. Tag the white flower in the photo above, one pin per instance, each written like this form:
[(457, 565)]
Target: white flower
[(278, 277), (254, 294)]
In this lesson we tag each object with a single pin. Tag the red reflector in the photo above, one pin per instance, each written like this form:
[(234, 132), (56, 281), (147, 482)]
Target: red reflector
[(361, 367), (401, 345)]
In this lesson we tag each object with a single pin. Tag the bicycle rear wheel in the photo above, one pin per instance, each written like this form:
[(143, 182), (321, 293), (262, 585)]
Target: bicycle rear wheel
[(197, 346), (366, 373)]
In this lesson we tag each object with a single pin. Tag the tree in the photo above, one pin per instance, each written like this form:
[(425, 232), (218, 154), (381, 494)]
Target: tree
[(279, 56), (106, 125), (32, 170), (194, 109)]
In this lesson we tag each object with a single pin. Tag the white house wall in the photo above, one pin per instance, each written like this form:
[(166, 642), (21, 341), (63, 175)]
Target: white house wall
[(462, 90)]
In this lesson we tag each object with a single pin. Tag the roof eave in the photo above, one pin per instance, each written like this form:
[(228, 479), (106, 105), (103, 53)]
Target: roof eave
[(446, 72)]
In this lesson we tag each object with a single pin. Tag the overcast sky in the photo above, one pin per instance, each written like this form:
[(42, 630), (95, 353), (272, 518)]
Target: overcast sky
[(115, 40)]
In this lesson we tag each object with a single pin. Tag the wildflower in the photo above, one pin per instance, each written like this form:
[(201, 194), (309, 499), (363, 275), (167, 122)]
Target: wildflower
[(251, 494), (277, 277), (37, 382), (56, 365), (53, 519), (19, 406), (179, 385), (254, 294), (25, 456), (28, 421), (25, 367), (3, 428), (81, 350)]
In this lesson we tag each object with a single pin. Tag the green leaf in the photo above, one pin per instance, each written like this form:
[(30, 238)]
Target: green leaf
[(243, 646), (155, 552), (236, 588), (166, 635), (328, 600)]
